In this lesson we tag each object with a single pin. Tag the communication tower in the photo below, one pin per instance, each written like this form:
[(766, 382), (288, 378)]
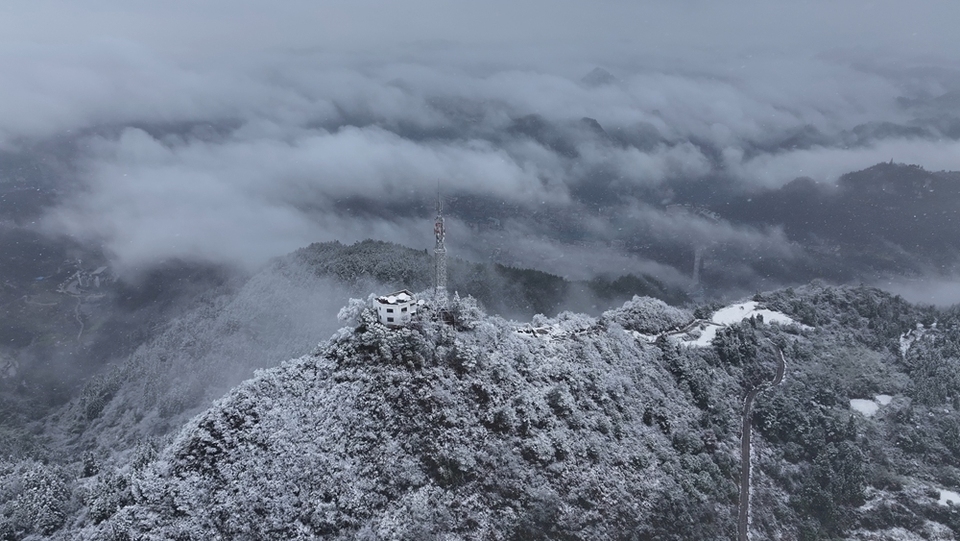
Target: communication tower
[(440, 254)]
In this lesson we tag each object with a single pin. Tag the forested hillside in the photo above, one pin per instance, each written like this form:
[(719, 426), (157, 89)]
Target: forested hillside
[(888, 217), (281, 312), (507, 291), (623, 426)]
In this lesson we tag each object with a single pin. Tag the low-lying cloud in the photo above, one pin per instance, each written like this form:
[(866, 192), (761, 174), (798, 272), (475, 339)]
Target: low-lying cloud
[(827, 164), (238, 158)]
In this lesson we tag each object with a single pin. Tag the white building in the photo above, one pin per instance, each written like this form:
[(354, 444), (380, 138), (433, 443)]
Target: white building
[(396, 309)]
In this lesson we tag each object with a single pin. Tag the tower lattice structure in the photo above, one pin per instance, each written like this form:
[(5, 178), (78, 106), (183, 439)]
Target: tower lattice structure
[(440, 254)]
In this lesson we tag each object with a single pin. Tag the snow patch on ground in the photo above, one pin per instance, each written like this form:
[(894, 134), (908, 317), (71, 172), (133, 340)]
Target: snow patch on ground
[(702, 335), (645, 337), (907, 339), (558, 330), (949, 496), (704, 332), (546, 332), (739, 312), (869, 407), (891, 534), (864, 406)]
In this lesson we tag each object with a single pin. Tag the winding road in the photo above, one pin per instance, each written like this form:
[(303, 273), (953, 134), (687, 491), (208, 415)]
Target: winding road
[(745, 448)]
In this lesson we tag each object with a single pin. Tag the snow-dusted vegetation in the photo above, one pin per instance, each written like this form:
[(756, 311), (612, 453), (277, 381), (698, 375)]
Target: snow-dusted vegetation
[(470, 426), (480, 432)]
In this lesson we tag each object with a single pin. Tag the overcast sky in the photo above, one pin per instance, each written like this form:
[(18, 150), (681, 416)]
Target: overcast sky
[(235, 131), (218, 27)]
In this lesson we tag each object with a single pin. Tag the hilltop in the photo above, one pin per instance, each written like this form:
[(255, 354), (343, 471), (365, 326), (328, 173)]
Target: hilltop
[(175, 367), (501, 289), (480, 430), (575, 427)]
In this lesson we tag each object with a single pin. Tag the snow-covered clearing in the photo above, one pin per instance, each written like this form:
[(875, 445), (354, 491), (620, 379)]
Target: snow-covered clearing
[(703, 334), (896, 534), (739, 312), (949, 496), (707, 330), (869, 407)]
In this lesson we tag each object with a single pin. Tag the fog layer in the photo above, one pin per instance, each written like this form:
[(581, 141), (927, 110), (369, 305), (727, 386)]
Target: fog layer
[(231, 134)]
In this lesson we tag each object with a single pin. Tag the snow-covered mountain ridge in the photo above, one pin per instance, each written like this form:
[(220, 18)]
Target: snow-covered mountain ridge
[(571, 427), (474, 431)]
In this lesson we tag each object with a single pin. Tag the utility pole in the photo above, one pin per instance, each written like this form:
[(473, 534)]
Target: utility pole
[(697, 265), (440, 254)]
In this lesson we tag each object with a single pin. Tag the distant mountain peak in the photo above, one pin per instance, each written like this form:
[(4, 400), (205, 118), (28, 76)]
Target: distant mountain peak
[(599, 77)]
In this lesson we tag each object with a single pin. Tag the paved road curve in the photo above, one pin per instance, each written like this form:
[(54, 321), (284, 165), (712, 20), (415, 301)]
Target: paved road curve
[(745, 448)]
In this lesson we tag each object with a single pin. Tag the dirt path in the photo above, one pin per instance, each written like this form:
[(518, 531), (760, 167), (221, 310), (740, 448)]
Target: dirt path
[(747, 420)]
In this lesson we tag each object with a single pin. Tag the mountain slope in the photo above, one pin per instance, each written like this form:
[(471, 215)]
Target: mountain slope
[(277, 314), (888, 218), (618, 427), (482, 432)]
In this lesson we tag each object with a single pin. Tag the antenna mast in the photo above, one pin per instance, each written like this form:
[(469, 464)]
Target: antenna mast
[(440, 253)]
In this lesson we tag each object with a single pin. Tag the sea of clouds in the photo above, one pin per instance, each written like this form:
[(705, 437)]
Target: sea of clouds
[(234, 132)]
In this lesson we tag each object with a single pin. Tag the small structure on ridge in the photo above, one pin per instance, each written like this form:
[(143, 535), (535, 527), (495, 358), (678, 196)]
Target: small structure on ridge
[(440, 255), (396, 309)]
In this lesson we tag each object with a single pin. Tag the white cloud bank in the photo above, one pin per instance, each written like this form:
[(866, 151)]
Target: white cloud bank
[(236, 131)]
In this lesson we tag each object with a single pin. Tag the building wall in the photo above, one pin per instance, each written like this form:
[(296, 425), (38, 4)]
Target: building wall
[(396, 314)]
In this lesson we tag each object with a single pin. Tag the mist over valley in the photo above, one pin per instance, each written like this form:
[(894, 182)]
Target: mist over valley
[(192, 196)]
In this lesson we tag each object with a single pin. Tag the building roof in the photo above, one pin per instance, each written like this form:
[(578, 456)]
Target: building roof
[(402, 296)]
